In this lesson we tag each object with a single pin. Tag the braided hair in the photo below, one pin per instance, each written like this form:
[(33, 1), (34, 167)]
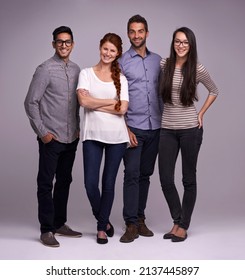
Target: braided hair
[(115, 69)]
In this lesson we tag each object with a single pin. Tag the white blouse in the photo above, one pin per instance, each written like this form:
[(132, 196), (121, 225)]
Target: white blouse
[(101, 126)]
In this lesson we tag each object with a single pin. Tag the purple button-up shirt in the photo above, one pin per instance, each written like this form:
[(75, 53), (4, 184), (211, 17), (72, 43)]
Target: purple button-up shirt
[(144, 111)]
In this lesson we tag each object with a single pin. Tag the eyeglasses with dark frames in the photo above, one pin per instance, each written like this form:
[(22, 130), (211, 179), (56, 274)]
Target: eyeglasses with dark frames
[(178, 43), (60, 43)]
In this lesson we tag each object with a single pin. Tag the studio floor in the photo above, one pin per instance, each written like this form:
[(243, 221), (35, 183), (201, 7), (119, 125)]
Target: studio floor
[(211, 240)]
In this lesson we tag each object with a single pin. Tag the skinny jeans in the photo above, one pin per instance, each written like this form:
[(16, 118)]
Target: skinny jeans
[(101, 199), (188, 142)]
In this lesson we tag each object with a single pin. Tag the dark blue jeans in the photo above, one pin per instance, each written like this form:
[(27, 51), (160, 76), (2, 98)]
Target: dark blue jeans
[(55, 160), (101, 202), (139, 165), (188, 142)]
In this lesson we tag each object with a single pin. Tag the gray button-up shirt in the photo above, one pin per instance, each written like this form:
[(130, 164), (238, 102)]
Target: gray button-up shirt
[(144, 110), (51, 102)]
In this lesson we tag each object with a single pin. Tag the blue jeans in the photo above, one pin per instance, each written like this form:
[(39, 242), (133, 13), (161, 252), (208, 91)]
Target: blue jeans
[(139, 165), (55, 160), (101, 202), (188, 142)]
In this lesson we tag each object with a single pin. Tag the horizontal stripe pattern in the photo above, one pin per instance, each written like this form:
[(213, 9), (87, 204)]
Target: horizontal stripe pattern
[(177, 116)]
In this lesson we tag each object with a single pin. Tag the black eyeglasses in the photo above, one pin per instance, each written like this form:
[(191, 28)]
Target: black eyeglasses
[(178, 43), (60, 43)]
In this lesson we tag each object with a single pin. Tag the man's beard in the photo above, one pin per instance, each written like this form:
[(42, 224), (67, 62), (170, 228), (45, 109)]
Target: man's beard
[(138, 46)]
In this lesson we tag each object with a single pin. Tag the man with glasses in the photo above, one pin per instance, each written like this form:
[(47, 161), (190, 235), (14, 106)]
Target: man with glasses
[(52, 108)]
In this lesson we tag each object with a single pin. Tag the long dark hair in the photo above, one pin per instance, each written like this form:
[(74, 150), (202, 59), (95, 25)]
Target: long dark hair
[(115, 69), (188, 88)]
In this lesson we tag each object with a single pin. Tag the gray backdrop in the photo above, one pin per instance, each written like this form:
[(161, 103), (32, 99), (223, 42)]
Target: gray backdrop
[(26, 27)]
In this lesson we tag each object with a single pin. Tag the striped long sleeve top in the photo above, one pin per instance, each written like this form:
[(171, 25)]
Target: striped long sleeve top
[(176, 115)]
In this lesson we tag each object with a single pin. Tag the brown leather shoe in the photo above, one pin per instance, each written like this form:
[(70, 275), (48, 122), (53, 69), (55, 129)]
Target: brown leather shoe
[(48, 239), (143, 229), (130, 234)]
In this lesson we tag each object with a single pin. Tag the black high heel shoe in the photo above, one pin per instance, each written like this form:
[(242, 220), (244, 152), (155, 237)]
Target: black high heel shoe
[(110, 232)]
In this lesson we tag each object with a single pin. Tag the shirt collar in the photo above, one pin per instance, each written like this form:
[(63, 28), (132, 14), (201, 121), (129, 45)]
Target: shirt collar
[(133, 53), (59, 60)]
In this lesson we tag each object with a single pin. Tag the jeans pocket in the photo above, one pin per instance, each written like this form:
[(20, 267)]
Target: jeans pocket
[(50, 142)]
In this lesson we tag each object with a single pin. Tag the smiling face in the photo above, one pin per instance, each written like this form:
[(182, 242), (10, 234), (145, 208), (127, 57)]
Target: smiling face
[(181, 45), (137, 34), (108, 52), (63, 46)]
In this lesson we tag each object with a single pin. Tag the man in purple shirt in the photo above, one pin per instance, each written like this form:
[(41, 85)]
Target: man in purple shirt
[(52, 108), (141, 68)]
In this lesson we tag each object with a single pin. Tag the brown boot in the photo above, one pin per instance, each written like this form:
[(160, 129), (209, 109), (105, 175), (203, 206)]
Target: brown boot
[(143, 229), (130, 234)]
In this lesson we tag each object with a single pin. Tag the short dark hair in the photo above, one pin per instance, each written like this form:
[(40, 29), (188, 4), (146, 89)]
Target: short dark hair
[(138, 19), (62, 29)]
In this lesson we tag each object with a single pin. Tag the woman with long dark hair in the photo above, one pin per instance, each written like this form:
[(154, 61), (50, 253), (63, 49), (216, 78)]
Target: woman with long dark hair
[(103, 92), (182, 126)]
